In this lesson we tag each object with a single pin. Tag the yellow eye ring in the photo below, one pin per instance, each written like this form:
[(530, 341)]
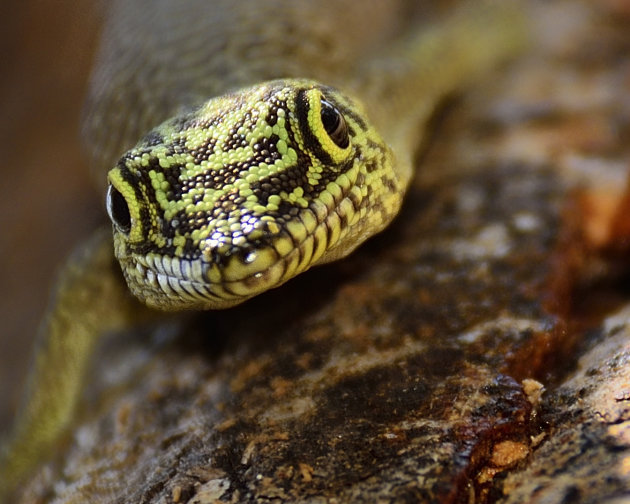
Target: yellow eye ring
[(118, 210), (122, 207), (324, 129), (334, 124)]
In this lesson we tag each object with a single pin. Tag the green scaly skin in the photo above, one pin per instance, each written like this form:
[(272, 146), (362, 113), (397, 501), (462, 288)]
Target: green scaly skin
[(216, 211), (244, 192)]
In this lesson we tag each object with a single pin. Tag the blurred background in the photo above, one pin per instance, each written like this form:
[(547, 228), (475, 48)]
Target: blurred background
[(47, 200)]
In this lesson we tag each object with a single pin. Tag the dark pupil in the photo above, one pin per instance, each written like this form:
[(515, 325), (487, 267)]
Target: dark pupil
[(330, 117), (119, 210), (335, 125)]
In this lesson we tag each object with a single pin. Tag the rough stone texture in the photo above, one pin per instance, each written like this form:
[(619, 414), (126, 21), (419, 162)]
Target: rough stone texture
[(584, 454), (412, 371)]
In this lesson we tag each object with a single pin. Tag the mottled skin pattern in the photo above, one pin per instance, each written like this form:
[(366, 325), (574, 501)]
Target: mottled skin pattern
[(244, 193), (240, 193)]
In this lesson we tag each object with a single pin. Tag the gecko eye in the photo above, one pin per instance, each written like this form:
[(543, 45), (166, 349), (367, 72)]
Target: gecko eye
[(118, 209), (335, 125)]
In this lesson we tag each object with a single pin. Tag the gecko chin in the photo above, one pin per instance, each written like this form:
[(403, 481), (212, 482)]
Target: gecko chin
[(217, 279), (220, 278), (188, 284)]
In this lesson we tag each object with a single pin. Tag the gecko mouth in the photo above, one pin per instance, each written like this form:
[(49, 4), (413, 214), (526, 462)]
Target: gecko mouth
[(172, 283)]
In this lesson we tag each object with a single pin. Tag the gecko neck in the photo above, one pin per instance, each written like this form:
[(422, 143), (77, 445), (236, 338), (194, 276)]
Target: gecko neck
[(404, 85)]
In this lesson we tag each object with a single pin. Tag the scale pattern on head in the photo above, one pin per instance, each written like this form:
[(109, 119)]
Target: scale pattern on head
[(245, 192)]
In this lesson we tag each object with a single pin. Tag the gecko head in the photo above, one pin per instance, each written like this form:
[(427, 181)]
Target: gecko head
[(243, 193)]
